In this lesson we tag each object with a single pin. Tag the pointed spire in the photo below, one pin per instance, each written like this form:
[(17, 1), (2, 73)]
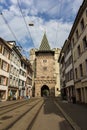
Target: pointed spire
[(44, 44)]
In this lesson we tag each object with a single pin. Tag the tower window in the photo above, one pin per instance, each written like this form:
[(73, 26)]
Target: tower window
[(44, 68), (44, 61)]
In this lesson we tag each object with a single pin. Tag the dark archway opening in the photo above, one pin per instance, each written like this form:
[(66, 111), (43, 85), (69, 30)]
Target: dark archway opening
[(44, 91)]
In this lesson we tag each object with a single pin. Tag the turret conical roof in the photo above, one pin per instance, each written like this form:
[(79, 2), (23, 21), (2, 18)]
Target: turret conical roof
[(44, 44)]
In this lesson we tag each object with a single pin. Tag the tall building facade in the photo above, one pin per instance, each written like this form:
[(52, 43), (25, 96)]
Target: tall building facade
[(13, 81), (78, 38), (44, 61), (67, 72), (57, 71), (15, 72), (5, 54), (75, 57)]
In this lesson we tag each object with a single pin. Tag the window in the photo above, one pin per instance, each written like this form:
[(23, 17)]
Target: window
[(4, 66), (79, 50), (20, 72), (10, 76), (6, 53), (76, 75), (23, 83), (11, 56), (0, 48), (44, 61), (77, 34), (67, 77), (12, 68), (86, 12), (16, 82), (44, 68), (0, 62), (73, 41), (81, 70), (20, 82), (71, 74), (25, 67), (22, 64), (82, 24), (86, 65), (85, 42), (15, 71), (15, 60), (3, 80), (57, 89), (11, 80), (68, 49)]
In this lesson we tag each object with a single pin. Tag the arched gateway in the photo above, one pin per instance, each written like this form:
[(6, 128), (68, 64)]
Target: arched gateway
[(45, 91)]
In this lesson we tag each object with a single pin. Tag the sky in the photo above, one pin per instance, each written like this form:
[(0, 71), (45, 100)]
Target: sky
[(53, 17)]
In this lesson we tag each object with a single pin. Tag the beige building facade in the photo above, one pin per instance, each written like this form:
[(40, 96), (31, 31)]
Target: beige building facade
[(5, 52), (79, 42), (57, 71), (15, 72), (13, 81), (44, 61), (75, 56), (66, 69)]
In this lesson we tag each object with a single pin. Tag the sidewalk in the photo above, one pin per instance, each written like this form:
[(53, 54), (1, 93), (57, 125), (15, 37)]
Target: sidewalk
[(77, 112)]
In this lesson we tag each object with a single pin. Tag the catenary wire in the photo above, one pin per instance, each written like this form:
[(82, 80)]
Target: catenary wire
[(19, 5), (9, 28), (12, 32), (51, 7)]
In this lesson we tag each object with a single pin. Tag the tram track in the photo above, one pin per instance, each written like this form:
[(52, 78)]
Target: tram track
[(31, 116), (16, 102), (11, 104), (21, 116), (34, 119), (11, 107)]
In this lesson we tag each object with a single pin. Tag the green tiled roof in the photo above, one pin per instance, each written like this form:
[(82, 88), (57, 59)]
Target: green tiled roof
[(44, 44)]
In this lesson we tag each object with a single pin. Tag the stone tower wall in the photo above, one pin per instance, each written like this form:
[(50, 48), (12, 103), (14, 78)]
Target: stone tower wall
[(45, 66)]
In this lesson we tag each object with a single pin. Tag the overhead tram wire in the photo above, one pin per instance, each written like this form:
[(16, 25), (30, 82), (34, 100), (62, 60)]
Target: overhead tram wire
[(25, 22), (11, 31), (9, 27), (51, 7)]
